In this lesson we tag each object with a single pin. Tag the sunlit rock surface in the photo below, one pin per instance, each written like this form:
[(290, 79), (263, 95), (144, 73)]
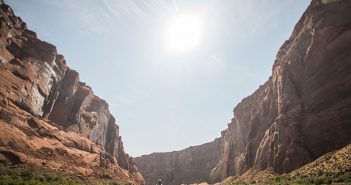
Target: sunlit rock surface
[(47, 116), (302, 112)]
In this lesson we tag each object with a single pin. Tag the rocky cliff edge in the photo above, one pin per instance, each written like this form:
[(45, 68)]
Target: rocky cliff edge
[(47, 116)]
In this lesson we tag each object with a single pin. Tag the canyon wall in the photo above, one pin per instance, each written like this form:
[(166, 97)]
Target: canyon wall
[(38, 88), (186, 166), (301, 112)]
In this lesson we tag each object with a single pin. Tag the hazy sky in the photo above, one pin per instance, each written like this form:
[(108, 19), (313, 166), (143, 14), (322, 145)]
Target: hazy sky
[(165, 100)]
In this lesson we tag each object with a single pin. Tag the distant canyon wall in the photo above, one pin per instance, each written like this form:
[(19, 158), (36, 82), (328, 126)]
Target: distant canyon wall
[(302, 112), (185, 166)]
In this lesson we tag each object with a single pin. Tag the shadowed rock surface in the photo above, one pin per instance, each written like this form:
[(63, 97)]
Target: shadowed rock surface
[(185, 166), (302, 112), (47, 116)]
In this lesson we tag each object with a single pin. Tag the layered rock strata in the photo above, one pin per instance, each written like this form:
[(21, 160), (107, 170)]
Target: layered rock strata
[(43, 102), (181, 167)]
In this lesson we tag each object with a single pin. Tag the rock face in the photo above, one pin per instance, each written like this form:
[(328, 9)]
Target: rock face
[(185, 166), (40, 91), (302, 112)]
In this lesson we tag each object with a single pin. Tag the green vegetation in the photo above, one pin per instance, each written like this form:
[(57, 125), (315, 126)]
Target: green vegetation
[(28, 175), (340, 179), (31, 176), (322, 178), (331, 168)]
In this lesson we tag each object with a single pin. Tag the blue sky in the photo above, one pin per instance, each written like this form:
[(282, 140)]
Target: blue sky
[(166, 101)]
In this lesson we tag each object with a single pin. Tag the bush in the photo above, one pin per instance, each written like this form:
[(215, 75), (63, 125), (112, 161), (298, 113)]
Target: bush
[(346, 177), (27, 174)]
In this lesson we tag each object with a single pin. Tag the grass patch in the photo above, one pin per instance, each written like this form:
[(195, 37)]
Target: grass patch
[(344, 178), (28, 175)]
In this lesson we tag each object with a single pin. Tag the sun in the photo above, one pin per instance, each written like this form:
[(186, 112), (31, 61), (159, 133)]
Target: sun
[(183, 33)]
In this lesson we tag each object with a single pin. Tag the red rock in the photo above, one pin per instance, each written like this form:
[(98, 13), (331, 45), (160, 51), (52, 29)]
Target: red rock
[(181, 167), (302, 112), (45, 109)]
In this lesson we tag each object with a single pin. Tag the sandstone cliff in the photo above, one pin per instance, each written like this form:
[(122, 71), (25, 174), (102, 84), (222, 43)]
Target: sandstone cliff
[(185, 166), (47, 115), (301, 112)]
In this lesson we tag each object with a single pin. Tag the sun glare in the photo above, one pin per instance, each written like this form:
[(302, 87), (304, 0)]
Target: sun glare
[(183, 33)]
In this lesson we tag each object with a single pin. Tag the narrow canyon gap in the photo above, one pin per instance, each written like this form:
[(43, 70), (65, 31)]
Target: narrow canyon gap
[(301, 112)]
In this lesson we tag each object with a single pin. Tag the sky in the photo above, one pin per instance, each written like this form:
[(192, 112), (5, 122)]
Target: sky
[(163, 99)]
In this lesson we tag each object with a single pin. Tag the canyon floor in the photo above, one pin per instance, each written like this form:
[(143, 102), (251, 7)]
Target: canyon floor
[(38, 175), (332, 168)]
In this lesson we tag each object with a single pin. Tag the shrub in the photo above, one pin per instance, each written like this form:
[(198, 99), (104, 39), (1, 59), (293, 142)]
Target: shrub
[(27, 174), (346, 177)]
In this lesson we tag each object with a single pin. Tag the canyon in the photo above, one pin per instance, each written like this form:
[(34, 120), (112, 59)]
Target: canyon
[(52, 120), (302, 112), (49, 118)]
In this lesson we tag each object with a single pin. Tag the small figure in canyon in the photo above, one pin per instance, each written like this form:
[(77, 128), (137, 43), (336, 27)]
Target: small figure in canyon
[(159, 182)]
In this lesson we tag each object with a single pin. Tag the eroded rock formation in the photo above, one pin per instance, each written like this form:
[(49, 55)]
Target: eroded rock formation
[(46, 111), (179, 167), (301, 112)]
